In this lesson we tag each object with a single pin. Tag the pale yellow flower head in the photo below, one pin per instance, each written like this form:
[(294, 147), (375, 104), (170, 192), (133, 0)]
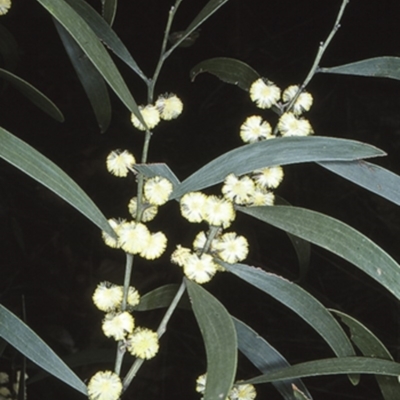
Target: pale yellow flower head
[(4, 378), (104, 385), (262, 197), (5, 5), (232, 248), (150, 115), (192, 206), (243, 392), (133, 297), (269, 177), (133, 237), (290, 125), (238, 190), (108, 239), (170, 106), (5, 393), (118, 325), (148, 214), (120, 162), (255, 129), (199, 268), (180, 255), (201, 383), (107, 297), (143, 343), (155, 246), (157, 190), (303, 102), (219, 211), (264, 93)]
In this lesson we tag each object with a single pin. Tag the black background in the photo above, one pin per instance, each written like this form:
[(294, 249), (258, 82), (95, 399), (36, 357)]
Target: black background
[(54, 257)]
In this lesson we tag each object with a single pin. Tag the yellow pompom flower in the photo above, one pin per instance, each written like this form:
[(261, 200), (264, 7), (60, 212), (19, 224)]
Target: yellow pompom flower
[(151, 117), (238, 190), (199, 268), (243, 392), (255, 129), (143, 343), (192, 206), (107, 297), (201, 383), (157, 190), (104, 385), (5, 5), (148, 214), (232, 248), (180, 255), (262, 197), (119, 163), (303, 102), (118, 325), (219, 211), (170, 106), (133, 237), (290, 125), (108, 239), (264, 93), (155, 246), (133, 297), (269, 177)]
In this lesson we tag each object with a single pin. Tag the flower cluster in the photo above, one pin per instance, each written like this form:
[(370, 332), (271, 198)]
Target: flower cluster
[(167, 107), (238, 392), (290, 103), (5, 386), (5, 5)]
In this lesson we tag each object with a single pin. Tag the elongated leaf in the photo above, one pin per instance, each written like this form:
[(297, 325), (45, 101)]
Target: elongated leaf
[(159, 169), (40, 168), (102, 28), (8, 49), (379, 67), (332, 366), (34, 95), (265, 357), (371, 346), (336, 237), (90, 44), (280, 151), (20, 336), (91, 79), (298, 300), (369, 176), (229, 70), (162, 298), (220, 341)]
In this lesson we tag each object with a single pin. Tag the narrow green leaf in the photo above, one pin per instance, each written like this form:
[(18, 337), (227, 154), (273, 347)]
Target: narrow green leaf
[(369, 176), (159, 169), (34, 95), (90, 44), (20, 336), (379, 67), (336, 237), (332, 366), (279, 151), (162, 298), (220, 341), (371, 346), (229, 70), (109, 10), (265, 357), (9, 49), (298, 300), (91, 79), (102, 28), (40, 168)]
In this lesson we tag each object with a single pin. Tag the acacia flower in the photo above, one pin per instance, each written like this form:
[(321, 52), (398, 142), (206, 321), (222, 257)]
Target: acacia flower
[(133, 296), (199, 268), (107, 297), (118, 325), (269, 177), (5, 5), (108, 239), (157, 190), (5, 393), (290, 125), (169, 106), (133, 237), (155, 246), (262, 197), (180, 255), (143, 343), (119, 163), (150, 115), (201, 383), (104, 385), (264, 93), (255, 129), (200, 241), (219, 211), (232, 248), (149, 211), (192, 206), (238, 190), (4, 378), (243, 392), (303, 102)]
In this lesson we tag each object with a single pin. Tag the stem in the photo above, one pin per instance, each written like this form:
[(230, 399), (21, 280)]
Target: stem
[(322, 48), (160, 331)]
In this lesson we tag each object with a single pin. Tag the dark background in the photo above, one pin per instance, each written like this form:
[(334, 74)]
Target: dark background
[(54, 257)]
